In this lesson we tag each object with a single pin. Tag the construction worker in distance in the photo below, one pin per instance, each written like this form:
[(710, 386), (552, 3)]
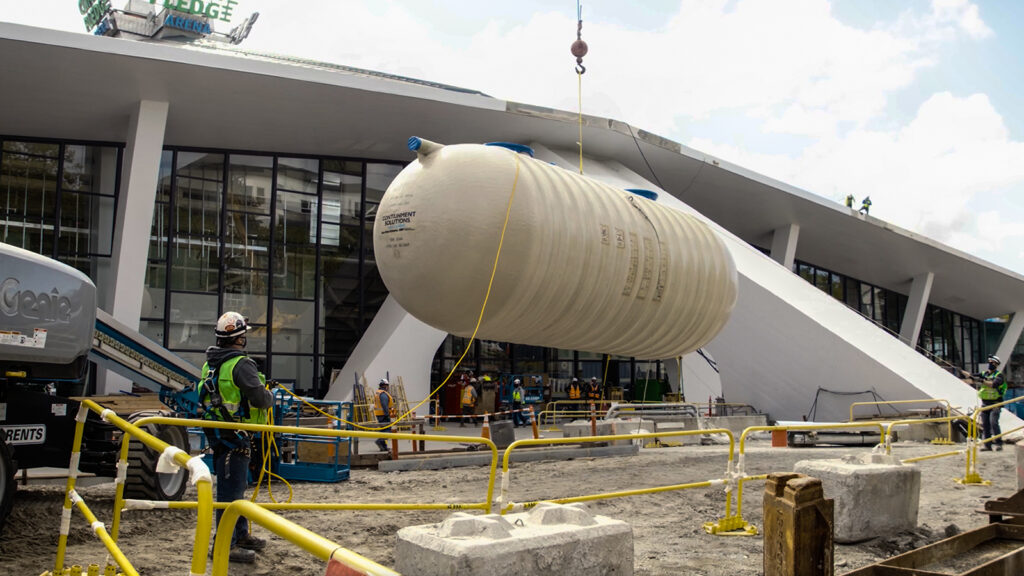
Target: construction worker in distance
[(593, 390), (518, 393), (990, 391), (468, 402), (575, 393), (233, 390), (384, 410), (849, 201), (865, 205)]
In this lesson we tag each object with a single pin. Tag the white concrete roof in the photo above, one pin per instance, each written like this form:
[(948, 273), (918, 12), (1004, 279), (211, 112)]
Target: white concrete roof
[(77, 86)]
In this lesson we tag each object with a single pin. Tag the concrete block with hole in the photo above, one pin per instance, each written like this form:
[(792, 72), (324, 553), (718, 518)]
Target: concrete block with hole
[(609, 428), (549, 539), (874, 494)]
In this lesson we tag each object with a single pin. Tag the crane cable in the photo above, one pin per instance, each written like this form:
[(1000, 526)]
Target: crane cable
[(579, 50)]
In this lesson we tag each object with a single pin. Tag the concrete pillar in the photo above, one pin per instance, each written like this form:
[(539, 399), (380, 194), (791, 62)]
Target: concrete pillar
[(920, 290), (1010, 337), (784, 244), (137, 195)]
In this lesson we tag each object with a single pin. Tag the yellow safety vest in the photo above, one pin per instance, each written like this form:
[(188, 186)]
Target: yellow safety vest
[(378, 405), (468, 395)]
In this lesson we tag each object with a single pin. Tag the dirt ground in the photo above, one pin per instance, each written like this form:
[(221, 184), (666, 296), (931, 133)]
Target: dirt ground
[(668, 538)]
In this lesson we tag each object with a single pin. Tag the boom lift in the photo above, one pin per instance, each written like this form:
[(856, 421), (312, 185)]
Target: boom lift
[(50, 328)]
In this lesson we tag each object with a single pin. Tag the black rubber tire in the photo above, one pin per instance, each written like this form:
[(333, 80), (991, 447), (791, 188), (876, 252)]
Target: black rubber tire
[(142, 480), (7, 484)]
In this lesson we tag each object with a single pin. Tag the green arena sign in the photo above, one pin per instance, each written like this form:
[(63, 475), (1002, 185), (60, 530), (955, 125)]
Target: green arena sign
[(208, 8)]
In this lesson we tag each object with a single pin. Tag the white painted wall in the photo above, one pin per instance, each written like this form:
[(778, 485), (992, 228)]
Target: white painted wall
[(395, 344)]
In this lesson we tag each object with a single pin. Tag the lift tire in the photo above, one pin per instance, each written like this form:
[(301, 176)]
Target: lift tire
[(142, 481), (7, 483)]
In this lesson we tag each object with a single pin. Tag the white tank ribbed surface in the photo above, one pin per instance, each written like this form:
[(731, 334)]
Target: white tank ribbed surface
[(584, 266)]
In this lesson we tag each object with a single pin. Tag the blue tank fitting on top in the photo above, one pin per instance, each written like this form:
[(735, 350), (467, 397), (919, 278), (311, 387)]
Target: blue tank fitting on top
[(649, 194), (519, 148), (414, 143)]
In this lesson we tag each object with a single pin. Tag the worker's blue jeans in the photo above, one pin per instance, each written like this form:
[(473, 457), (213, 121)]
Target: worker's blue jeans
[(518, 417), (382, 443), (232, 470), (990, 422)]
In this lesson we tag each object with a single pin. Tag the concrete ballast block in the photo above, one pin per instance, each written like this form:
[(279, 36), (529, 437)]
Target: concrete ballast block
[(874, 494), (548, 539)]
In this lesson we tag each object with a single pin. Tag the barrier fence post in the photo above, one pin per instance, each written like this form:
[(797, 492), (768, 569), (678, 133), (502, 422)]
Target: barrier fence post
[(533, 423), (593, 420), (485, 432)]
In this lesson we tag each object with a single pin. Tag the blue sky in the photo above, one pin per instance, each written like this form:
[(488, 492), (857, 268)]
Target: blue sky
[(915, 103)]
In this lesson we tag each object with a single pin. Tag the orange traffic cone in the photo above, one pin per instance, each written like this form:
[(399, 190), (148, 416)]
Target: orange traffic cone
[(485, 432)]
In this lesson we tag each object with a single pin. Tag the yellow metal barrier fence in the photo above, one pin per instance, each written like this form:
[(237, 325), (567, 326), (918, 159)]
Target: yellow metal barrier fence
[(311, 542), (949, 412), (728, 524), (200, 476)]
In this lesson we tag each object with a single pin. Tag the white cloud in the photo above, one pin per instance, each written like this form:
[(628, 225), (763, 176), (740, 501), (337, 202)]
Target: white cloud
[(961, 14)]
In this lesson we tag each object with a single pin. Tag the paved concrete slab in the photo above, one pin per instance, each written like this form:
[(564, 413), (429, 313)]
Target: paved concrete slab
[(874, 494), (564, 540)]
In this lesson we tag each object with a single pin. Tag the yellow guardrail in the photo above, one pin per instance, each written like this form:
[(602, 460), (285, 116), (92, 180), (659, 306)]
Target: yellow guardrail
[(741, 459), (724, 525), (120, 503), (200, 477), (949, 411), (311, 542)]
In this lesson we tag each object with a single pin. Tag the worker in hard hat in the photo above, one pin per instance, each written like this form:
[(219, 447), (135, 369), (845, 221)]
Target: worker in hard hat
[(384, 410), (518, 393), (593, 390), (849, 200), (233, 390), (991, 387), (865, 205), (468, 401), (575, 392)]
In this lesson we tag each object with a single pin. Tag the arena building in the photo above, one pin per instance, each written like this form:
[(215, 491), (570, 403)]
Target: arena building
[(256, 178)]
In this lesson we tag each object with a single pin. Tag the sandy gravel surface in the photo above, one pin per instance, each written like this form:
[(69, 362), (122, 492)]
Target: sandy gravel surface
[(668, 538)]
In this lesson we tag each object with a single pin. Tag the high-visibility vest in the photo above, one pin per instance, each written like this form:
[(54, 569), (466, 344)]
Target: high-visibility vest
[(231, 395), (468, 395), (988, 392), (516, 396), (574, 391), (378, 404), (593, 391)]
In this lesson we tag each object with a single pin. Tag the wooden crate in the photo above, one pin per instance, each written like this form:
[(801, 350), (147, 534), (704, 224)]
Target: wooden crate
[(321, 453)]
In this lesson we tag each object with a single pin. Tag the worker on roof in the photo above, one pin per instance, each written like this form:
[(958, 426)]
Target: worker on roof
[(518, 393), (233, 390), (849, 200), (575, 393), (991, 388), (865, 205), (384, 410), (593, 390), (468, 401)]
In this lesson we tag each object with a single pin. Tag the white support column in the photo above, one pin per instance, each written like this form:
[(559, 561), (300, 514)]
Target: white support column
[(920, 291), (1010, 337), (136, 198), (784, 244)]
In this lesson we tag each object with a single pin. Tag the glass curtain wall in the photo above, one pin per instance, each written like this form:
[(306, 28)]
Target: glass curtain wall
[(947, 337), (285, 241), (59, 199)]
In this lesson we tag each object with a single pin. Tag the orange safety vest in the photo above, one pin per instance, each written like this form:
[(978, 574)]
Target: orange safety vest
[(574, 391), (468, 395), (378, 405), (593, 391)]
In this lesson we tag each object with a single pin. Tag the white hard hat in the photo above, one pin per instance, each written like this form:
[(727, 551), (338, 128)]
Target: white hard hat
[(472, 379), (575, 380), (231, 324), (517, 380), (383, 382), (993, 359)]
